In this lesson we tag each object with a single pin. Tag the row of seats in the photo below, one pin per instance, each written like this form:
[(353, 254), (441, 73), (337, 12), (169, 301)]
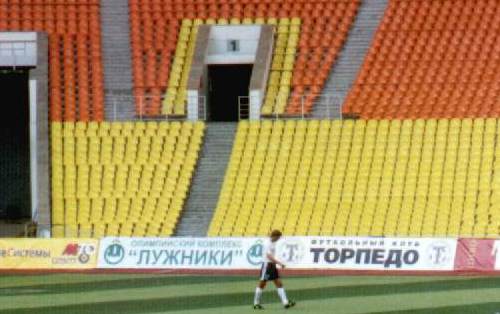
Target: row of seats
[(127, 179), (75, 60), (363, 178), (175, 101), (280, 78), (431, 59), (157, 35)]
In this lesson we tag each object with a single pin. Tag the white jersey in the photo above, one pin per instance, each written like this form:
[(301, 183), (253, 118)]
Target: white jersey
[(269, 248), (496, 254)]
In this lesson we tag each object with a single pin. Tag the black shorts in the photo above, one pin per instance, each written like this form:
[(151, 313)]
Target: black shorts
[(269, 271)]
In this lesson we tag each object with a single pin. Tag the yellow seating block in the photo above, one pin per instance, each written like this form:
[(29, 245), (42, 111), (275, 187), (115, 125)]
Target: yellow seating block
[(121, 179), (362, 178)]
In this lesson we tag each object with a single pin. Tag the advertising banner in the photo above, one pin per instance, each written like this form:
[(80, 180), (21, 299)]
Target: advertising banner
[(409, 254), (178, 253), (48, 253), (336, 253), (477, 255)]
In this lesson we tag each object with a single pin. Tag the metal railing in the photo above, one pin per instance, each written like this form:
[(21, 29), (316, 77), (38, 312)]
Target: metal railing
[(24, 229), (124, 106), (65, 230), (243, 107), (326, 106)]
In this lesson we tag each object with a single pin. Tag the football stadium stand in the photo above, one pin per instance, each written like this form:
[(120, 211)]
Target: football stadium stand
[(362, 178), (420, 158), (161, 31), (114, 178), (75, 65), (431, 59)]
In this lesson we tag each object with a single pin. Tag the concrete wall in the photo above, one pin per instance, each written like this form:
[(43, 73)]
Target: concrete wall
[(247, 37), (42, 155), (18, 49), (211, 48), (197, 82), (260, 72)]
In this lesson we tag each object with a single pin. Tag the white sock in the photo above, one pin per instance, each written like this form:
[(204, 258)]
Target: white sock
[(282, 294), (258, 293)]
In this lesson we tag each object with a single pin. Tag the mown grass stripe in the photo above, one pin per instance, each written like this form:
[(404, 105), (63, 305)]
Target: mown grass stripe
[(482, 308), (82, 287), (44, 279)]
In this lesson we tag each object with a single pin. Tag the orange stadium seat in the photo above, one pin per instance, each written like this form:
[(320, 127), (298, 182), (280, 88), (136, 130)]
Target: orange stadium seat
[(75, 63), (431, 59), (155, 27)]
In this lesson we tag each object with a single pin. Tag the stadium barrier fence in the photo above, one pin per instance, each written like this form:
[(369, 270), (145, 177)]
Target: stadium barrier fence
[(321, 253), (302, 255)]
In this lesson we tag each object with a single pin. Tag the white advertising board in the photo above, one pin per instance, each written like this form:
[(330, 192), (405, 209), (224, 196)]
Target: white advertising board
[(337, 253)]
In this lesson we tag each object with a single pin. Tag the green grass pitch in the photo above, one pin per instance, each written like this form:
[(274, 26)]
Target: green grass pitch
[(161, 293)]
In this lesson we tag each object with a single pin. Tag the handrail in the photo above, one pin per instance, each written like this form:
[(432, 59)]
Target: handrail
[(123, 106)]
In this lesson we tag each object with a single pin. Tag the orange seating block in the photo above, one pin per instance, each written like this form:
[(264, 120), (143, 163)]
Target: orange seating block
[(75, 63), (155, 29), (431, 59)]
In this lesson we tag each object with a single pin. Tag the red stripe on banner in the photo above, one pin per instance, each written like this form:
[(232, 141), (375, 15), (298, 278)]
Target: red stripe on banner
[(475, 255), (256, 273)]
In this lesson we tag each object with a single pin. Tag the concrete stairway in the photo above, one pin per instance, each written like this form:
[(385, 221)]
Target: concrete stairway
[(351, 58), (117, 61), (208, 179)]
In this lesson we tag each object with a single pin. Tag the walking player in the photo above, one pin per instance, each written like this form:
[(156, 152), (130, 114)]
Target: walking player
[(269, 271)]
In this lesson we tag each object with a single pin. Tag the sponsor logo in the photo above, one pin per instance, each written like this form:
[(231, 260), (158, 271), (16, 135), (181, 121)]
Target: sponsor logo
[(85, 252), (71, 249), (291, 251), (439, 253), (75, 252), (255, 253), (114, 254)]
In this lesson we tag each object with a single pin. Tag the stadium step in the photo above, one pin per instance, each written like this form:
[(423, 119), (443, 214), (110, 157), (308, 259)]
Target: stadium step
[(208, 179), (117, 60), (351, 57)]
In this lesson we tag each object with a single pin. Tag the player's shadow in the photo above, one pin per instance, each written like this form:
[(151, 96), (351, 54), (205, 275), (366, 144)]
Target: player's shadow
[(221, 300)]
